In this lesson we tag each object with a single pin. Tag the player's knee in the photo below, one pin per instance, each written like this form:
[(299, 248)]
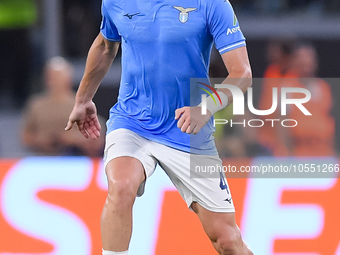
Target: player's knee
[(232, 245), (230, 242), (228, 245), (249, 252), (122, 193)]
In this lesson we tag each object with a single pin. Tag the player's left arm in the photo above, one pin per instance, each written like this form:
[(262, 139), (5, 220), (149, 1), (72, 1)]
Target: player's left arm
[(240, 74), (190, 119)]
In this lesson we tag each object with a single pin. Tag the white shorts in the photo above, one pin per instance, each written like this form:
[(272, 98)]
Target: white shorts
[(207, 192)]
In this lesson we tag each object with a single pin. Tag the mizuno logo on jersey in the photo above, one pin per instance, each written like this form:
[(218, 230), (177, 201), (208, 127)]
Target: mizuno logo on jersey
[(130, 16), (184, 13)]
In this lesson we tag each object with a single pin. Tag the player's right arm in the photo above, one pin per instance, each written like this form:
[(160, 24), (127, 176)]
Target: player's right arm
[(99, 60)]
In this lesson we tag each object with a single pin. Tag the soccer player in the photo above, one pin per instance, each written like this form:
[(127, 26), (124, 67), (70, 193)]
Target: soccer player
[(164, 44)]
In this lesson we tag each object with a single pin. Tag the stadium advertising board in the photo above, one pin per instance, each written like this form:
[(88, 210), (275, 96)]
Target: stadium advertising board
[(53, 206)]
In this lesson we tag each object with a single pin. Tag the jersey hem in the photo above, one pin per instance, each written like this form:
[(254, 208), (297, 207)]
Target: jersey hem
[(110, 39)]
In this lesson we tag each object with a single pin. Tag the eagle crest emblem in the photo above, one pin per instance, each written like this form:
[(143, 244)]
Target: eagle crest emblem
[(184, 13)]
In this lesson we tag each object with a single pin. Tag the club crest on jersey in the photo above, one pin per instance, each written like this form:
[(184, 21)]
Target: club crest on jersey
[(184, 13)]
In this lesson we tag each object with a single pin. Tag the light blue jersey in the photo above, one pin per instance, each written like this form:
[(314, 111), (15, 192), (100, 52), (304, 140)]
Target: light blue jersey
[(165, 43)]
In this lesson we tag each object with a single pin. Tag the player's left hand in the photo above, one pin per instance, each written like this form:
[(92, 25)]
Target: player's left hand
[(190, 119)]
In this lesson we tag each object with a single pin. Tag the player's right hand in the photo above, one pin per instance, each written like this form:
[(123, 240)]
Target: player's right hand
[(85, 115), (190, 119)]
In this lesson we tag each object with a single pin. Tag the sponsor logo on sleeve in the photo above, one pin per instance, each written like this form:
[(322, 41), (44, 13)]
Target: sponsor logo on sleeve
[(233, 30)]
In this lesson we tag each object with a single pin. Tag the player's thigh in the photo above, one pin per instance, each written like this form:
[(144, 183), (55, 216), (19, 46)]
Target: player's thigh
[(125, 170), (220, 227), (127, 163)]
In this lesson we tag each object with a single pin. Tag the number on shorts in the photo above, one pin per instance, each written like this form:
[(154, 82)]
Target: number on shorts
[(223, 183)]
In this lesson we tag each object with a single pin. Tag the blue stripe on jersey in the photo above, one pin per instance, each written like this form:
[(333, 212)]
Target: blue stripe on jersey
[(165, 43)]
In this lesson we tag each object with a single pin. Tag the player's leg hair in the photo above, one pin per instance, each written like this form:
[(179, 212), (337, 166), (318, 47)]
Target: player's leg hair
[(124, 175), (222, 230)]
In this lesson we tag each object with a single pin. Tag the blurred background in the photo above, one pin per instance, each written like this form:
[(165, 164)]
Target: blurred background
[(43, 48), (34, 31)]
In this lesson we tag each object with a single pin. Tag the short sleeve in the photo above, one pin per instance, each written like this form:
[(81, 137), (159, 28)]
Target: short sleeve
[(107, 27), (224, 26)]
